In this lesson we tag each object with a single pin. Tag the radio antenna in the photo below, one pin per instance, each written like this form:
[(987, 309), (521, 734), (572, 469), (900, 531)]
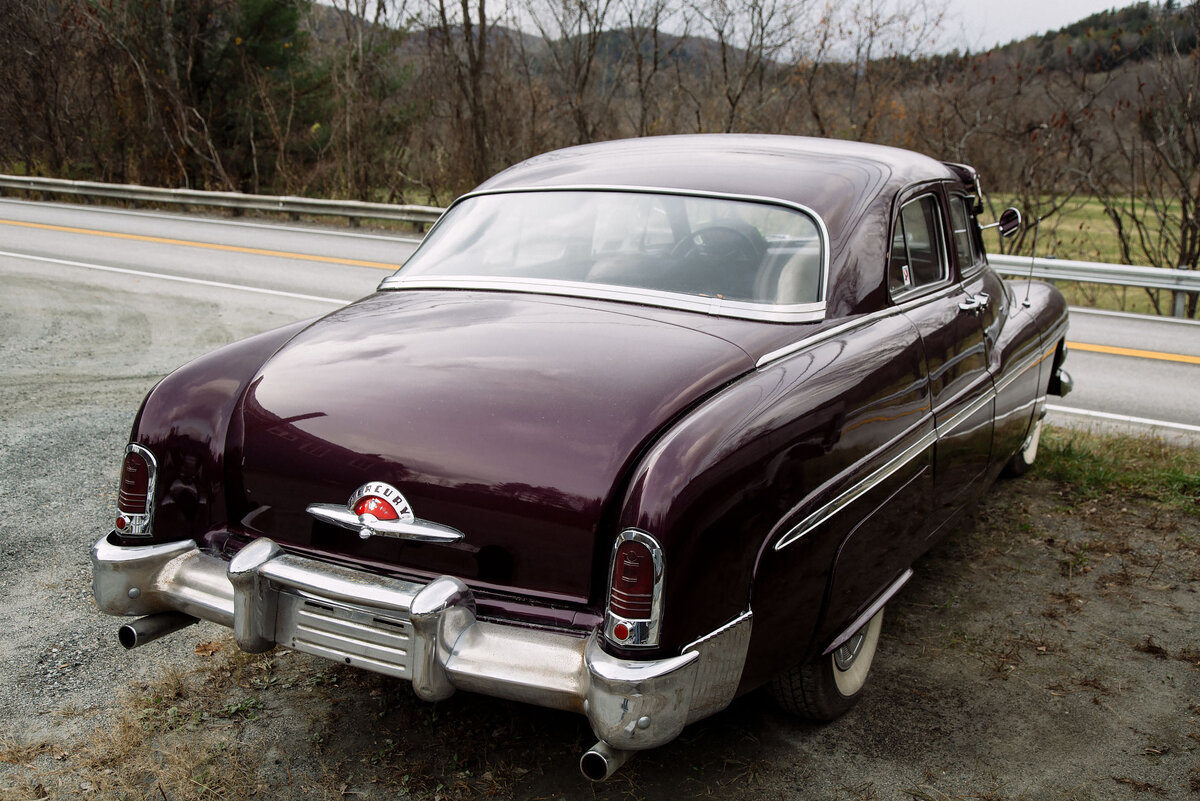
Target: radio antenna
[(1037, 224)]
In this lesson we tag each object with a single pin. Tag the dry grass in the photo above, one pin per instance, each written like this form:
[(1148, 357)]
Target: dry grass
[(152, 747), (228, 728)]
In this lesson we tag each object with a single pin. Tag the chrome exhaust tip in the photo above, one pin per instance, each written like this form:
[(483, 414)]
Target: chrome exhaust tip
[(601, 761), (151, 627)]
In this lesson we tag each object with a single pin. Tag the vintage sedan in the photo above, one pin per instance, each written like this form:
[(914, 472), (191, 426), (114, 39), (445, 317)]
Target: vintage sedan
[(640, 427)]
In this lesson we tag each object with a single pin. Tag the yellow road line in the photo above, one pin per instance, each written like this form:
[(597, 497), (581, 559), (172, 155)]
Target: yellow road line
[(1141, 354), (282, 254)]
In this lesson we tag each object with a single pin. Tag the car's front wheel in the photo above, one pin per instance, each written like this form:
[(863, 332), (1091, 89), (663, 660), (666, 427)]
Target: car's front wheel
[(826, 687)]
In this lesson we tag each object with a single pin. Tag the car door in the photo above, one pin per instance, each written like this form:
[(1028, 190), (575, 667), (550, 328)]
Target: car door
[(1008, 331), (947, 316)]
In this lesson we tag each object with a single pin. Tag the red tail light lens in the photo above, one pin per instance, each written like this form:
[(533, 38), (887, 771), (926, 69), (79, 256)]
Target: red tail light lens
[(135, 498), (135, 484), (635, 591), (632, 591)]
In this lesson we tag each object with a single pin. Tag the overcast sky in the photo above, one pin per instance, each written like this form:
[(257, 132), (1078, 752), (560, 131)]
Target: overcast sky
[(984, 23)]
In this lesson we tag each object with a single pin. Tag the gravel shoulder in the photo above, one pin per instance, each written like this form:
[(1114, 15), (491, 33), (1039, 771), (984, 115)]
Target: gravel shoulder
[(1047, 649)]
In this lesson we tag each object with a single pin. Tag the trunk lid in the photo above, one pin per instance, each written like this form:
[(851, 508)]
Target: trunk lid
[(512, 418)]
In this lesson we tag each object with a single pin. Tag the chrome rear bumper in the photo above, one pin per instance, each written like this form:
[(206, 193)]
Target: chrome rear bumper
[(425, 633)]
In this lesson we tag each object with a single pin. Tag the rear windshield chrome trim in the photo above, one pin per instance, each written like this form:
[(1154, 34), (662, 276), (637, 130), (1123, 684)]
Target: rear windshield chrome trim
[(719, 307), (766, 312)]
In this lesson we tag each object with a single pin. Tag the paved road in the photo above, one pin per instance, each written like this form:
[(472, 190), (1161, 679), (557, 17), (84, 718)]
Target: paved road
[(317, 261), (1125, 366), (1135, 366)]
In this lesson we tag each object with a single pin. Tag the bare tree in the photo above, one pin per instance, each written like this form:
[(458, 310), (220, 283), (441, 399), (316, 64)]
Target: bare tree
[(572, 32), (749, 37), (375, 110), (651, 49), (854, 60), (1027, 130), (462, 34), (1150, 185)]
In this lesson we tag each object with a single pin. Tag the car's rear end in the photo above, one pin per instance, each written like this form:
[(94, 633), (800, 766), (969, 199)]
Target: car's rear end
[(425, 484)]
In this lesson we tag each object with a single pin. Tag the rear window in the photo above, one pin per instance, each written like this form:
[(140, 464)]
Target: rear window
[(728, 249)]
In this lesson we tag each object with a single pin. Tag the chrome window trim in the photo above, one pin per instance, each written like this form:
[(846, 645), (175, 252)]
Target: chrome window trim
[(946, 277), (643, 632), (141, 525), (860, 488), (978, 257), (798, 313), (766, 312), (974, 271)]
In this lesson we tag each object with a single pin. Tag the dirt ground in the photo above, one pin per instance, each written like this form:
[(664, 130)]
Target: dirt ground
[(1048, 649)]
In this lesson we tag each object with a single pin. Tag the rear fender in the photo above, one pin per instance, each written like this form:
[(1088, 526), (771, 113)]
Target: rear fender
[(188, 422), (725, 484)]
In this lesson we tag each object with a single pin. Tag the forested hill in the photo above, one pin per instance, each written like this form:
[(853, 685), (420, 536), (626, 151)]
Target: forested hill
[(1107, 39), (418, 101)]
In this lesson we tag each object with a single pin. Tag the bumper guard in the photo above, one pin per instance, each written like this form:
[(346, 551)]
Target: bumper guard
[(425, 633)]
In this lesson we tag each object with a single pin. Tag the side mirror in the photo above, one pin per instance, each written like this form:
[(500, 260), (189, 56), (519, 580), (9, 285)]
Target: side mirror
[(1010, 222)]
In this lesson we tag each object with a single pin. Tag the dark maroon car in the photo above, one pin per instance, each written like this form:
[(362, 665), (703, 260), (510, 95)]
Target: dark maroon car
[(641, 426)]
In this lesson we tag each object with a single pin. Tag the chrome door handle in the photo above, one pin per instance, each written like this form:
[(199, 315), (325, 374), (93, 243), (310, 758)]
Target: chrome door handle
[(975, 304)]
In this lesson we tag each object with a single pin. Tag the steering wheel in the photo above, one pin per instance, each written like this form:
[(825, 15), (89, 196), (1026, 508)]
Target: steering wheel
[(733, 243)]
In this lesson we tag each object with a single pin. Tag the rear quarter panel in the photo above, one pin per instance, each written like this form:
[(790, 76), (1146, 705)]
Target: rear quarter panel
[(737, 475), (185, 421)]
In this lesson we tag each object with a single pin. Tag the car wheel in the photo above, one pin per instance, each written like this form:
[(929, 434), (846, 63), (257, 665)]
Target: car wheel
[(1023, 459), (826, 687)]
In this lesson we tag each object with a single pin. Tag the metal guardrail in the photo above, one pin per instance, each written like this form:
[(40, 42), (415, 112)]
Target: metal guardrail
[(420, 215), (1098, 273), (1179, 282)]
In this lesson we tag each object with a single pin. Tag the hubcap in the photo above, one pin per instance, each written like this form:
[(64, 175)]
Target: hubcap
[(848, 651)]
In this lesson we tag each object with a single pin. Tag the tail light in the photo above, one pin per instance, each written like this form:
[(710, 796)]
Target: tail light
[(135, 499), (634, 590)]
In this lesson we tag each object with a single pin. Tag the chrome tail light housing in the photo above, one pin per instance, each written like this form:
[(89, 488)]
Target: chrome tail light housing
[(633, 615), (135, 499)]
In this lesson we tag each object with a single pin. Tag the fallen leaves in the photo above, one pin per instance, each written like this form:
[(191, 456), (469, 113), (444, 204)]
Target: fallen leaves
[(208, 648)]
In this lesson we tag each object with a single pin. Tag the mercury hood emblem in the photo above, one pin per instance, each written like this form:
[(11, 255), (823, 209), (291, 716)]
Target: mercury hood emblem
[(378, 509)]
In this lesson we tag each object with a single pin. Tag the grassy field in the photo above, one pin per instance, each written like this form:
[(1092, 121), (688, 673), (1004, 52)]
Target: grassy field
[(1090, 465), (1082, 232)]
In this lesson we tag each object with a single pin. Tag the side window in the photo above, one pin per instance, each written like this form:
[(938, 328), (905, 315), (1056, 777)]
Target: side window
[(917, 258), (965, 238)]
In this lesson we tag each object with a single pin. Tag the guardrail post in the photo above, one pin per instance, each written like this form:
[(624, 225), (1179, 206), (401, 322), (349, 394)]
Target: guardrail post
[(1179, 300)]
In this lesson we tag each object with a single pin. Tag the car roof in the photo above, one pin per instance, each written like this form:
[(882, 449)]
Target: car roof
[(837, 179)]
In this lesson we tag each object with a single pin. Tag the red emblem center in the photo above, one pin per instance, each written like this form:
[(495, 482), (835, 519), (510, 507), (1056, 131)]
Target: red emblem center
[(377, 507)]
